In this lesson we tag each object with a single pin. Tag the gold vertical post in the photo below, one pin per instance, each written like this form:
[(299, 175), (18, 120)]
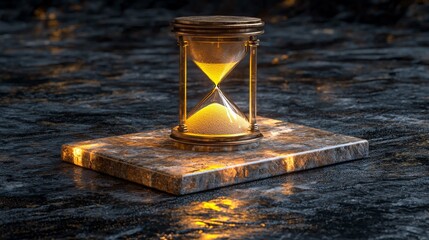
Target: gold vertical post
[(182, 84), (216, 29), (253, 44)]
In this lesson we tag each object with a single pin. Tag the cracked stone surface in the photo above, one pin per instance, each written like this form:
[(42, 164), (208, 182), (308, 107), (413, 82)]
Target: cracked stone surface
[(76, 75)]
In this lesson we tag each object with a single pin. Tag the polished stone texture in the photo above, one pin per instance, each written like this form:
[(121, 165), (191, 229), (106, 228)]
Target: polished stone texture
[(149, 158), (109, 70)]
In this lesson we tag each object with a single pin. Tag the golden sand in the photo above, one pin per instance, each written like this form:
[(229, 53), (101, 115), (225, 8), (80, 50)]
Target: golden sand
[(216, 119)]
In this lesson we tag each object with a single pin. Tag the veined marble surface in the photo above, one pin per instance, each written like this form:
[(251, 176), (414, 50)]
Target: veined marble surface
[(150, 159), (109, 69)]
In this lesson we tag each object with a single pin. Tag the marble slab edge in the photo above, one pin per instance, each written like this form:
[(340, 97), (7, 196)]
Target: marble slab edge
[(274, 167), (196, 181), (113, 167)]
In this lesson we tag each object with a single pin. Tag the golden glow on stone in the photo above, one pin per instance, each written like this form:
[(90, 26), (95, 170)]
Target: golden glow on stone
[(77, 156), (288, 188), (210, 236), (221, 204), (77, 153), (139, 157), (212, 206), (231, 213), (213, 166), (216, 119)]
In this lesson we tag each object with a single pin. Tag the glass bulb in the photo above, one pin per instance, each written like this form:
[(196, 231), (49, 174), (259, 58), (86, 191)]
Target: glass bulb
[(216, 114)]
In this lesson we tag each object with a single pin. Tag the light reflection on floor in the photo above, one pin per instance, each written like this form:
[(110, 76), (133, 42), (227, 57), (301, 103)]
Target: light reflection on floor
[(209, 218)]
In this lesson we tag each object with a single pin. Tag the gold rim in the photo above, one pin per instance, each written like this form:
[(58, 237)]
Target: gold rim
[(215, 144), (218, 26), (215, 148), (229, 140)]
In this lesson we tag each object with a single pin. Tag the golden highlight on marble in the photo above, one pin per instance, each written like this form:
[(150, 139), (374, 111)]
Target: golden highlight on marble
[(219, 144), (149, 158)]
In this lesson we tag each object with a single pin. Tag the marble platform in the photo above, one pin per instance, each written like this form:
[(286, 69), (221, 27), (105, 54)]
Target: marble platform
[(149, 158)]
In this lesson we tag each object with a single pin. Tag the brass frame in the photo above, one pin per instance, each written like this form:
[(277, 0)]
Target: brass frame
[(221, 27), (216, 26)]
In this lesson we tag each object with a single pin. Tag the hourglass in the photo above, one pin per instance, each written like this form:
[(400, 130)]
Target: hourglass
[(216, 44)]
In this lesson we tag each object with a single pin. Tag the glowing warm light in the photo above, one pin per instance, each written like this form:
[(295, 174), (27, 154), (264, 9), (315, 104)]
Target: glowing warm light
[(209, 236), (212, 206), (230, 203), (216, 71), (216, 44), (222, 205), (277, 60), (211, 216), (288, 3), (211, 167), (287, 188), (201, 224), (77, 156), (216, 119), (91, 146), (79, 150), (42, 14), (289, 163)]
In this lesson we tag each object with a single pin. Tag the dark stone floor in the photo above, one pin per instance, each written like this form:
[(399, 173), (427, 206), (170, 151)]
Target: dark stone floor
[(80, 76)]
